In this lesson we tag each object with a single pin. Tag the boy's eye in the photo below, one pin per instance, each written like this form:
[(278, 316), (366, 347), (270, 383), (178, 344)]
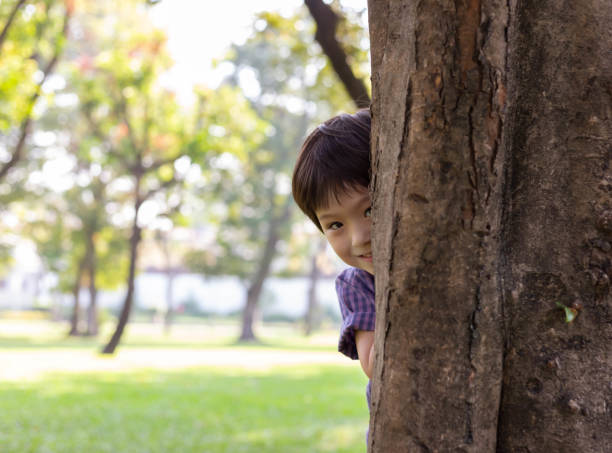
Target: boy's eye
[(334, 226), (368, 212)]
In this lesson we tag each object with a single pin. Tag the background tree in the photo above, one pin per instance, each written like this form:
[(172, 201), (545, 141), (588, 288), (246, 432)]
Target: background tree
[(332, 44), (491, 132), (312, 319), (287, 98), (75, 243), (327, 21), (9, 14), (164, 239), (137, 123), (251, 213), (173, 251), (257, 199), (32, 39), (70, 226), (118, 125)]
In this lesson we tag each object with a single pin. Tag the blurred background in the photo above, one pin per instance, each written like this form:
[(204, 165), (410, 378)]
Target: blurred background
[(159, 289)]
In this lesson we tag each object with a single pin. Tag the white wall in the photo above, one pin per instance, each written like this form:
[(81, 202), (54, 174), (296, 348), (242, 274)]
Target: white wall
[(220, 295)]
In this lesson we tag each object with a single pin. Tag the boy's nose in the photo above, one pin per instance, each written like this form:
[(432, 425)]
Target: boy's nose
[(361, 235)]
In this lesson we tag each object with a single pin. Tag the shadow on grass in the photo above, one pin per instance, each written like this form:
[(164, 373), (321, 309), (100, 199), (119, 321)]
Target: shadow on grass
[(305, 409), (28, 335), (24, 342)]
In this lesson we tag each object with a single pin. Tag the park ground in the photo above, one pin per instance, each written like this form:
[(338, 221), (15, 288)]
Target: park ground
[(193, 390)]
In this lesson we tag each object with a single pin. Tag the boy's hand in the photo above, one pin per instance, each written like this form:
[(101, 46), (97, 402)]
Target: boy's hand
[(364, 339)]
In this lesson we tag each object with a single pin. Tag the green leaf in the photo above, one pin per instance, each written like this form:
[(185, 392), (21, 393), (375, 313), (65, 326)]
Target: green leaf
[(570, 313)]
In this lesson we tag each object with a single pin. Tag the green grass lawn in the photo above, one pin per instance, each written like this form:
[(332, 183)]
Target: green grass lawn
[(259, 404)]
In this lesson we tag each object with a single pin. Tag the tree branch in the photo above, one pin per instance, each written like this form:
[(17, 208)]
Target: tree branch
[(9, 22), (24, 131), (122, 103), (160, 163), (97, 132), (325, 35), (162, 186), (27, 121)]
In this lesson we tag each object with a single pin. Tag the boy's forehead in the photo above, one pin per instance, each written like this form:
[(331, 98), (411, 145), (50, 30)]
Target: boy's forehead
[(347, 198)]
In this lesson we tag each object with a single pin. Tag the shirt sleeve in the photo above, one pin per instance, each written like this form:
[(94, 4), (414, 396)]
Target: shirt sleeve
[(357, 306)]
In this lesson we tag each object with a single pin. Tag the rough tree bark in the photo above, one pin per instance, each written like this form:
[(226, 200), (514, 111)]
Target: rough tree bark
[(327, 21), (492, 124)]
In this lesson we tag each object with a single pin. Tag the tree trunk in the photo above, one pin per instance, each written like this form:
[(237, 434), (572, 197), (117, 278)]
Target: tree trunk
[(129, 297), (92, 309), (169, 285), (491, 189), (327, 21), (248, 314), (312, 318), (76, 308), (254, 290), (556, 390), (169, 315)]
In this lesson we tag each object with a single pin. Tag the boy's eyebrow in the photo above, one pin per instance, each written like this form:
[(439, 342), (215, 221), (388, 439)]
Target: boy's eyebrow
[(325, 216), (359, 202)]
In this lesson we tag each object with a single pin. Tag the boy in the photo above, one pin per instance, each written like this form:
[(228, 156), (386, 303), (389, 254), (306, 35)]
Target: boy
[(330, 184)]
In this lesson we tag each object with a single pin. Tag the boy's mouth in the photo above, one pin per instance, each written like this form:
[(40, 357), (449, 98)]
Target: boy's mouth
[(367, 257)]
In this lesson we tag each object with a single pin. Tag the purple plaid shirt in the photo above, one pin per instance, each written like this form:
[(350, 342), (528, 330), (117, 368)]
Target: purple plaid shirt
[(355, 289)]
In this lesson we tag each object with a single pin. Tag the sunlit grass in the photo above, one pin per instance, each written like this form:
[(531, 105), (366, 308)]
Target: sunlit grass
[(44, 333), (298, 409), (290, 395)]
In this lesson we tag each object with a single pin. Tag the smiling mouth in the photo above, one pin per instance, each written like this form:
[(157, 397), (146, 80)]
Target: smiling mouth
[(367, 257)]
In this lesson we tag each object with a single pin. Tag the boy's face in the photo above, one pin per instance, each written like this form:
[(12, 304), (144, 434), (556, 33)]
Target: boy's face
[(346, 224)]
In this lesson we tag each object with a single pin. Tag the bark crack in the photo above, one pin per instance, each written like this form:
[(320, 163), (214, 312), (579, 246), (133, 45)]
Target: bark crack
[(472, 336), (424, 447), (473, 328), (394, 231), (474, 182), (407, 107), (473, 195), (469, 435), (497, 100)]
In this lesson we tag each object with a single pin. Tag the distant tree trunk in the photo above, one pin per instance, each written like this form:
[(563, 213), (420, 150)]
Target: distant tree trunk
[(92, 309), (169, 315), (76, 308), (129, 297), (312, 318), (492, 125), (254, 290), (169, 285), (327, 21), (248, 314)]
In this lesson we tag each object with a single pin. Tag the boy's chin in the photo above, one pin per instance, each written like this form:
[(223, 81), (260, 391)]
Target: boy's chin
[(367, 266), (360, 263)]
